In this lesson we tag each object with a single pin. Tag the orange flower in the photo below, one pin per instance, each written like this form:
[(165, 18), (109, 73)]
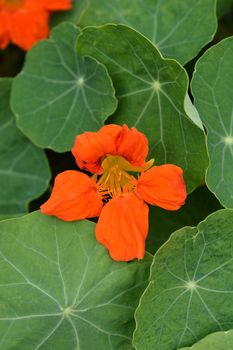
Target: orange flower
[(113, 154), (24, 22)]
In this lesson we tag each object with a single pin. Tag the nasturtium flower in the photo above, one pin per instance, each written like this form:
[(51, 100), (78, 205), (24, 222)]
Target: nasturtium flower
[(24, 22), (122, 184)]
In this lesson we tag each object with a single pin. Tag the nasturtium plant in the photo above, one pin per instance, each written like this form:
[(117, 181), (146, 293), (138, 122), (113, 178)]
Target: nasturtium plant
[(122, 185), (59, 94), (190, 291), (212, 88), (151, 93), (61, 290), (116, 143), (24, 170)]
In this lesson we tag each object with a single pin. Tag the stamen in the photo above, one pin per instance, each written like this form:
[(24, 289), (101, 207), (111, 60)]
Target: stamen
[(116, 179)]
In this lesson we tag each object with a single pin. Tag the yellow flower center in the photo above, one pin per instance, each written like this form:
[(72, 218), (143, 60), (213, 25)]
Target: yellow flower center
[(116, 178)]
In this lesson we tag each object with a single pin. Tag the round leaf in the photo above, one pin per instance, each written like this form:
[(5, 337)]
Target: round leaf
[(59, 94), (190, 292), (60, 289), (24, 169), (151, 93), (178, 28), (212, 87)]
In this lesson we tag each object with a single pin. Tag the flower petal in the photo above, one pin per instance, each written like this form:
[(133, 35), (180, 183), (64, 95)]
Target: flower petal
[(163, 186), (123, 226), (74, 197), (91, 147), (27, 27), (55, 5), (4, 29), (132, 145)]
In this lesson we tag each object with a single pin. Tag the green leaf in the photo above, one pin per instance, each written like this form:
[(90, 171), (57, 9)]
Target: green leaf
[(178, 28), (73, 15), (162, 222), (214, 341), (59, 94), (24, 169), (191, 112), (190, 292), (151, 92), (212, 87), (61, 290)]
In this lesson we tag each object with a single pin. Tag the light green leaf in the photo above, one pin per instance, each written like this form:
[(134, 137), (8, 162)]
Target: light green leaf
[(192, 112), (178, 28), (190, 292), (214, 341), (151, 93), (60, 289), (73, 15), (212, 87), (162, 223), (59, 94), (24, 170)]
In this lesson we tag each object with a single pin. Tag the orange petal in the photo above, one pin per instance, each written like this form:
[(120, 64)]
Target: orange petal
[(91, 147), (163, 186), (53, 5), (4, 41), (4, 29), (28, 27), (74, 197), (132, 145), (123, 226)]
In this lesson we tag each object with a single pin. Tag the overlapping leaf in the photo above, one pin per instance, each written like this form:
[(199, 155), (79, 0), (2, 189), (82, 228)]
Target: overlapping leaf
[(24, 170), (59, 94), (151, 93), (178, 28), (215, 341), (212, 87), (60, 289), (190, 292)]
